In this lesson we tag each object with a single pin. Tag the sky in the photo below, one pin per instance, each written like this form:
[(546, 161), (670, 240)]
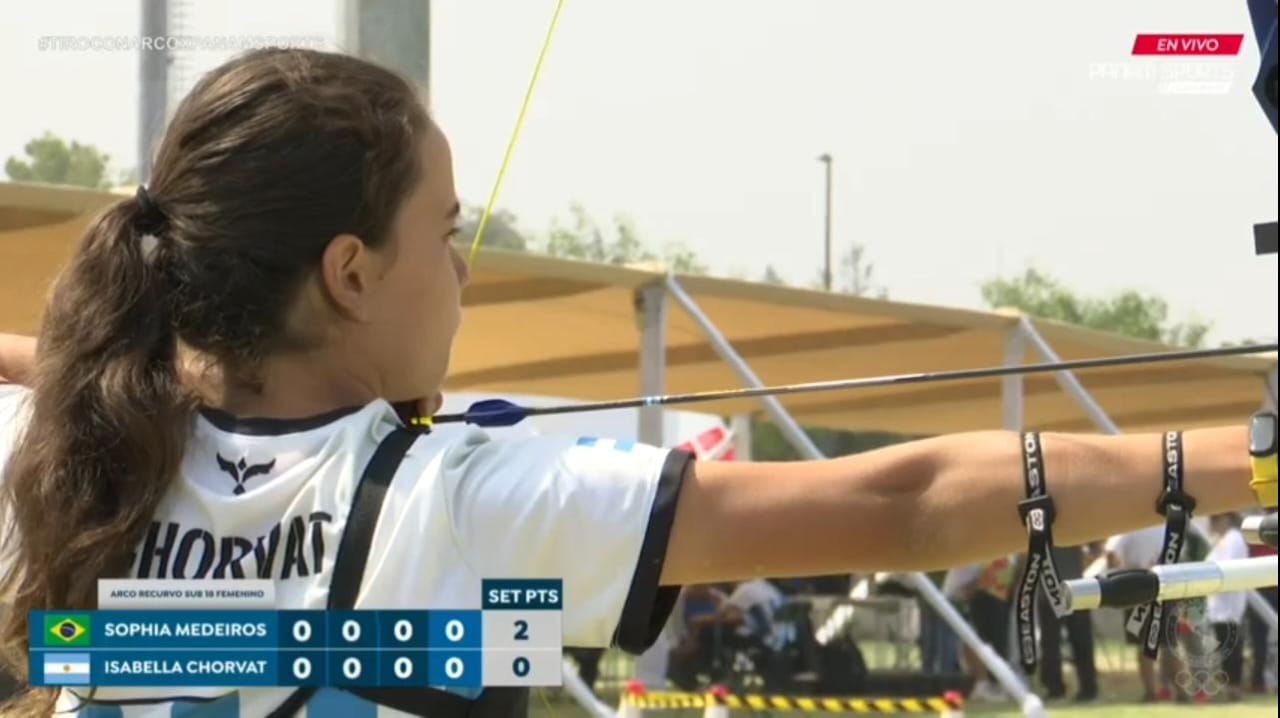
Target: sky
[(970, 140)]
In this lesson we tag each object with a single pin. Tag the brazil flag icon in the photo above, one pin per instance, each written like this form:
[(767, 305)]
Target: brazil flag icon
[(66, 630)]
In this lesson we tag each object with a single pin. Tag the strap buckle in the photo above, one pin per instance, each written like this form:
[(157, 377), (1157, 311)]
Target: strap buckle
[(1037, 512), (1175, 499)]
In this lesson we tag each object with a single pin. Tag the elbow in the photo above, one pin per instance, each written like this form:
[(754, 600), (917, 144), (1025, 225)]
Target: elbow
[(905, 514), (961, 511)]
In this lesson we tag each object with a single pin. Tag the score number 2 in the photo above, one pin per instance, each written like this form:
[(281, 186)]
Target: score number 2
[(520, 666)]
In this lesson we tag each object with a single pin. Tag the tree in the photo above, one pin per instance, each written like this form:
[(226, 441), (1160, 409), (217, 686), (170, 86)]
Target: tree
[(499, 232), (682, 260), (769, 444), (582, 238), (856, 271), (50, 159), (853, 275), (1129, 312), (620, 244), (771, 276)]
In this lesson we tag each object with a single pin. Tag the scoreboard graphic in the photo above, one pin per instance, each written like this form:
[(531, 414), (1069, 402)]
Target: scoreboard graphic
[(513, 639)]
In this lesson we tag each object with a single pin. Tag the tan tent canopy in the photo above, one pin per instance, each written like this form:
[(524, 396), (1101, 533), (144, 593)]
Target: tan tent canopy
[(39, 225), (541, 325), (581, 340)]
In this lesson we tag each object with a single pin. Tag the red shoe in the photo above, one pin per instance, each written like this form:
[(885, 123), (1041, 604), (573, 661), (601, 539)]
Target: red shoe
[(1202, 697), (1163, 694)]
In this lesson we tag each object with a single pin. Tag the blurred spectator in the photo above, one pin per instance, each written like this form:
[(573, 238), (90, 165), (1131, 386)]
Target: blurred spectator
[(1079, 625), (1261, 646), (982, 591), (939, 644), (1226, 610), (751, 608), (716, 621), (1141, 549)]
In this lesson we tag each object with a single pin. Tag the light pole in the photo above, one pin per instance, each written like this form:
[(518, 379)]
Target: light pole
[(825, 159)]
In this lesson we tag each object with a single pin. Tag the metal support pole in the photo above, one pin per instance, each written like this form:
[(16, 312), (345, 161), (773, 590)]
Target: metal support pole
[(1067, 380), (1013, 413), (581, 692), (153, 84), (392, 33), (1070, 385), (1031, 704), (1269, 401), (825, 159), (651, 316), (790, 429), (1011, 394), (740, 424)]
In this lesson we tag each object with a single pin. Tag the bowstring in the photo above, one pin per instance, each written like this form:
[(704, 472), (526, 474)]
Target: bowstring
[(502, 173), (515, 135)]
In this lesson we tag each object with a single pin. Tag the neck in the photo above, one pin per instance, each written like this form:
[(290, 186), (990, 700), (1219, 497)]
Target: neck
[(290, 386)]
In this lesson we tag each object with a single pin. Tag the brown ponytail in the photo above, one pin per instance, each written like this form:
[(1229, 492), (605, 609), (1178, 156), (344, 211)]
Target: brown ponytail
[(107, 431), (269, 158)]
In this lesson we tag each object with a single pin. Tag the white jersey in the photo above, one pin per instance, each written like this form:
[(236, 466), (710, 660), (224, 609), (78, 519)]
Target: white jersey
[(1228, 607), (269, 498), (1137, 549)]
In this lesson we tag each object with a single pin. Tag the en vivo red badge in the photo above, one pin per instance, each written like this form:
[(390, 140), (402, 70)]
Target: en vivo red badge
[(1182, 44)]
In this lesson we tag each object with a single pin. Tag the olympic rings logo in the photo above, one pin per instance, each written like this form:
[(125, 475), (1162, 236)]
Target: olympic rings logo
[(1200, 651)]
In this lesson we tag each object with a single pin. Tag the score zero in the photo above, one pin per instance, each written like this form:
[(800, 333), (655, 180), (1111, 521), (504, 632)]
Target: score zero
[(402, 630), (352, 668)]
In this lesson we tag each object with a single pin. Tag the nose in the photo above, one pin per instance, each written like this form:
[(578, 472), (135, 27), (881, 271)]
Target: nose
[(460, 267)]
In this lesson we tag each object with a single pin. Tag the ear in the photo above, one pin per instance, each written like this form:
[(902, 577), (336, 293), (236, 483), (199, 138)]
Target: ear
[(348, 270)]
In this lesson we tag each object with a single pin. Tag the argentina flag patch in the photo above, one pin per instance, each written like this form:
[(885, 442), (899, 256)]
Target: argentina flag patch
[(622, 445)]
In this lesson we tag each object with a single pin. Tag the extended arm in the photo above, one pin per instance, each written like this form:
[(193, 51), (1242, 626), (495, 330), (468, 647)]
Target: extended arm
[(933, 503), (17, 358)]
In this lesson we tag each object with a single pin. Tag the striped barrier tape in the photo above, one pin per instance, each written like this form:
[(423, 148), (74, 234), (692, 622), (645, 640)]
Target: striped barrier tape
[(811, 704)]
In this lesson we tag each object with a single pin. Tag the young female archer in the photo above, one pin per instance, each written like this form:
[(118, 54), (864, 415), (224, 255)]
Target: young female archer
[(227, 350)]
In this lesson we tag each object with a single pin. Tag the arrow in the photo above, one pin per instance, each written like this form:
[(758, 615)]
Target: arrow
[(499, 412)]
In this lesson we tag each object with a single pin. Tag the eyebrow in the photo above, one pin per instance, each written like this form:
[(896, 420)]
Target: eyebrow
[(454, 211)]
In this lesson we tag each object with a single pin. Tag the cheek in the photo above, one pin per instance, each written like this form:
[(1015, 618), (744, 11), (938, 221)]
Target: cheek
[(435, 294), (415, 285)]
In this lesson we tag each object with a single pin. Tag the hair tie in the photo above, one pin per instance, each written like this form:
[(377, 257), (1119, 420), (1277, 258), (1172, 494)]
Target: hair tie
[(148, 223), (149, 218)]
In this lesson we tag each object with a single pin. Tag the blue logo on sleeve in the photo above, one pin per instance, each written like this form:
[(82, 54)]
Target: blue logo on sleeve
[(615, 444)]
